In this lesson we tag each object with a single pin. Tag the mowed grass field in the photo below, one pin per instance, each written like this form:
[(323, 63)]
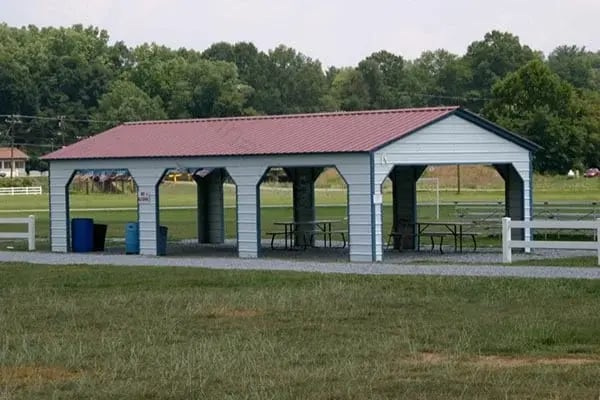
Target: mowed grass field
[(175, 333), (70, 332)]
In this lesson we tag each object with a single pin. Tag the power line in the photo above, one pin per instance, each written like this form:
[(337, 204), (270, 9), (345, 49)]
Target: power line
[(439, 96), (59, 118), (21, 145)]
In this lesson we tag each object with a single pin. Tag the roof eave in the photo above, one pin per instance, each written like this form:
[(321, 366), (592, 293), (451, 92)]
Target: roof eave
[(45, 158)]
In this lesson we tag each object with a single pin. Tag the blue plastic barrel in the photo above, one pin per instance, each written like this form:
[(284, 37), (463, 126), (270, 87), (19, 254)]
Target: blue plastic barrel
[(82, 235), (162, 241), (132, 238)]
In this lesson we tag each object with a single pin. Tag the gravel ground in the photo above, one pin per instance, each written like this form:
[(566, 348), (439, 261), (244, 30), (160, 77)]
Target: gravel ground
[(479, 263)]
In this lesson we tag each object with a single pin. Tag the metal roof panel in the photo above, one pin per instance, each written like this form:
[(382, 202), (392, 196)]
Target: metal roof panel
[(338, 132)]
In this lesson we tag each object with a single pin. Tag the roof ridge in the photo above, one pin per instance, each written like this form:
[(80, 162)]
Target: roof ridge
[(294, 116)]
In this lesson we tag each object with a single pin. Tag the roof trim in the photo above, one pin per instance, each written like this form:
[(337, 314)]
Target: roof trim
[(209, 156), (293, 116)]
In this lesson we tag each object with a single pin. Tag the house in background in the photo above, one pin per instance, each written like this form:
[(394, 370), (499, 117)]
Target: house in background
[(17, 158)]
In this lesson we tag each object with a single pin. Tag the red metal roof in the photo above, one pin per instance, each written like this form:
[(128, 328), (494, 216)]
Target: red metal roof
[(338, 132), (16, 154)]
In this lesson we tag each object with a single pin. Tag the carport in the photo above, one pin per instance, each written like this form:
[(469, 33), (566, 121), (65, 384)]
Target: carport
[(365, 147)]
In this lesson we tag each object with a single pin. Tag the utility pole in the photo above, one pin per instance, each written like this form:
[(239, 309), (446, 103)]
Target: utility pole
[(61, 124), (14, 120)]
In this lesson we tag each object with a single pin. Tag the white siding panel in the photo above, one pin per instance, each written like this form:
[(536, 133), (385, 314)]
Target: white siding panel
[(361, 219), (248, 202), (450, 141), (148, 219), (59, 208)]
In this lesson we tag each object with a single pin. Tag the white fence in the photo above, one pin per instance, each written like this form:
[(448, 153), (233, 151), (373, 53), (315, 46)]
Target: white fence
[(29, 235), (12, 191), (508, 244)]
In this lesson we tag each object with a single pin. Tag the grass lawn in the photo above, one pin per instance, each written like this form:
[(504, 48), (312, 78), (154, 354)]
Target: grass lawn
[(170, 333)]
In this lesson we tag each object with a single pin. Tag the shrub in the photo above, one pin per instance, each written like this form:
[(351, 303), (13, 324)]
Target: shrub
[(17, 182)]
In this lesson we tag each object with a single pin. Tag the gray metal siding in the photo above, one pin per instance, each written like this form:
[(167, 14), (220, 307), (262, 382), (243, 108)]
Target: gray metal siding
[(147, 182), (357, 175), (216, 217), (246, 179), (59, 208), (450, 141)]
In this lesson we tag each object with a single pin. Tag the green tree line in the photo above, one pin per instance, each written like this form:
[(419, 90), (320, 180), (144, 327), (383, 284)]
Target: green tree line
[(76, 83)]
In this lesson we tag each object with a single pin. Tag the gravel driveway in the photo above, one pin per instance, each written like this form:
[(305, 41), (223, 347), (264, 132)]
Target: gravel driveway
[(468, 268)]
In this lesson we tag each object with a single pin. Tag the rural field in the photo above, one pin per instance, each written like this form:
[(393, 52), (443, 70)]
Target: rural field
[(169, 333), (172, 333)]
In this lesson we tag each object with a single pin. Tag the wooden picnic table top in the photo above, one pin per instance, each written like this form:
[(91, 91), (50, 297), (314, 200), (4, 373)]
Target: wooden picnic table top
[(313, 222)]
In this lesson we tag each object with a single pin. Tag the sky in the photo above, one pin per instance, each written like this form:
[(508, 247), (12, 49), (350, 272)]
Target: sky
[(336, 32)]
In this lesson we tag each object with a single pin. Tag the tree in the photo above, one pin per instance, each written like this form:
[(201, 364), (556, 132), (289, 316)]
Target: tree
[(294, 83), (535, 102), (206, 89), (349, 91), (188, 86), (574, 65), (127, 102), (439, 73), (62, 71), (383, 73), (491, 59), (251, 65), (18, 93), (590, 106)]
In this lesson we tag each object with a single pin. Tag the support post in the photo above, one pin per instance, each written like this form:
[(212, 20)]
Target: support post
[(361, 211), (247, 179), (517, 198), (598, 237), (303, 192), (506, 239), (60, 227), (148, 181), (31, 231), (210, 211), (404, 193)]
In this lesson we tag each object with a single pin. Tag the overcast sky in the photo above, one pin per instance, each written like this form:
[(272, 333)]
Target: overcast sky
[(337, 32)]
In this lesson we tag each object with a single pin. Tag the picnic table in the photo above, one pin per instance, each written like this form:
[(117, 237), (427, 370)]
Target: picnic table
[(324, 227), (433, 230)]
